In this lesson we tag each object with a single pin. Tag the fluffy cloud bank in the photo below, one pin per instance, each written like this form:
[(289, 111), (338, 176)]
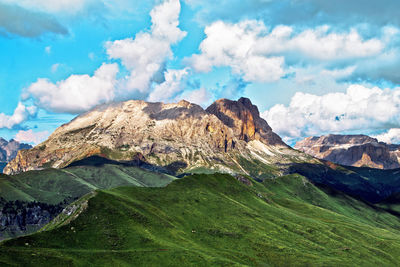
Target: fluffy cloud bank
[(31, 137), (199, 96), (144, 57), (233, 45), (77, 93), (21, 114), (170, 87), (359, 108), (259, 55), (391, 137)]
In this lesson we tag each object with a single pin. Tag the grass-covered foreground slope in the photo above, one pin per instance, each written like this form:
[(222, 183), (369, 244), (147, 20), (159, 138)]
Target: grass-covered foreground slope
[(214, 219), (29, 200), (55, 185)]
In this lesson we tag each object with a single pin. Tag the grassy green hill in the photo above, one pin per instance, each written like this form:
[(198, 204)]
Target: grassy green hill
[(214, 219), (55, 185), (60, 187)]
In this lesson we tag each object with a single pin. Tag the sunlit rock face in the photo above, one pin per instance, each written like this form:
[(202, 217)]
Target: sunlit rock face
[(244, 119), (160, 134), (352, 150), (9, 149)]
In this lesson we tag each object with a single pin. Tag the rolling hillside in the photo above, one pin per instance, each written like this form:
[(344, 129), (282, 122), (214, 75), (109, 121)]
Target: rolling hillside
[(214, 219), (62, 186)]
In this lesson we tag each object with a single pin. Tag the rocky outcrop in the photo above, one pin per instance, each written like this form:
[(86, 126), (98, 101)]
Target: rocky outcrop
[(182, 134), (19, 217), (8, 150), (352, 150), (244, 119)]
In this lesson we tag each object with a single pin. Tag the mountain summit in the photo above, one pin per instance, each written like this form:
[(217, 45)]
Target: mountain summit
[(178, 136), (244, 119)]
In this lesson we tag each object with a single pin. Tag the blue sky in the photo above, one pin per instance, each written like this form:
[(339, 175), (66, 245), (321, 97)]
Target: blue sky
[(312, 67)]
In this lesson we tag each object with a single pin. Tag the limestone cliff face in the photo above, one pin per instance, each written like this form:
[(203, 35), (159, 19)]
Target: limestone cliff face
[(244, 119), (352, 150), (8, 150), (160, 134)]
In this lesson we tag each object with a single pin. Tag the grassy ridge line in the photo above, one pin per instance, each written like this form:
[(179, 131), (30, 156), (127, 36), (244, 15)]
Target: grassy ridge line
[(62, 186), (70, 213), (55, 185), (205, 220)]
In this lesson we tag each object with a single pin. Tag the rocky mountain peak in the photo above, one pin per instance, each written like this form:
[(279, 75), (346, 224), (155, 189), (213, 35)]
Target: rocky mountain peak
[(160, 134), (9, 149), (184, 103), (244, 118)]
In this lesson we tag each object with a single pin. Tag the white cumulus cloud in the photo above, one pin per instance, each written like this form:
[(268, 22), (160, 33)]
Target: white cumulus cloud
[(259, 54), (198, 96), (319, 43), (21, 114), (77, 93), (233, 45), (170, 87), (359, 108), (31, 137), (145, 55), (390, 137)]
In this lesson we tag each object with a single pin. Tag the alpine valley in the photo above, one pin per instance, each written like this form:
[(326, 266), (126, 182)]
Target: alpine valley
[(137, 183)]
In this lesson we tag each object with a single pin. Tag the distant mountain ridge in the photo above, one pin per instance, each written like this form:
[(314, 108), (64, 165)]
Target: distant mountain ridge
[(9, 149), (352, 150)]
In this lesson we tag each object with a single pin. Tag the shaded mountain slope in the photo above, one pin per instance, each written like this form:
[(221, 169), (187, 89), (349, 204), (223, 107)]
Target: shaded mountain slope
[(373, 185), (216, 220)]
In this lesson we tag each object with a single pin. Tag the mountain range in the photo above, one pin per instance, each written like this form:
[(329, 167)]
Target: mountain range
[(352, 150), (152, 183), (177, 137)]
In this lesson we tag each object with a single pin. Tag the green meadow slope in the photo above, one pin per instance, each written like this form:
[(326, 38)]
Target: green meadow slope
[(25, 198), (214, 219), (55, 185)]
